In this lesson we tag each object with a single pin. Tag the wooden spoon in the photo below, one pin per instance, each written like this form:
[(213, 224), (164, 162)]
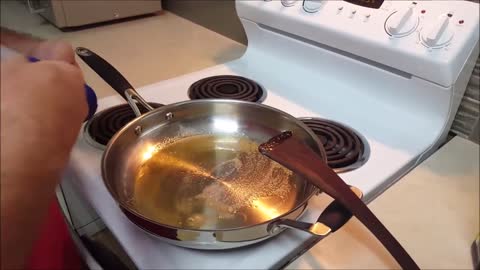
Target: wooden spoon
[(302, 160)]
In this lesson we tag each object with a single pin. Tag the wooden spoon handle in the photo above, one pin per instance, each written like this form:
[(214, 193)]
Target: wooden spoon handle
[(299, 158)]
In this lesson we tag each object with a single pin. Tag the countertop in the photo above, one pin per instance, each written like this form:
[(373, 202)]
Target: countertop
[(145, 50), (433, 211)]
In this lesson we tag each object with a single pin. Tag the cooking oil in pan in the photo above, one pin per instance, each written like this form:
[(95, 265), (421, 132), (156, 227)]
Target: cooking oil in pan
[(213, 182)]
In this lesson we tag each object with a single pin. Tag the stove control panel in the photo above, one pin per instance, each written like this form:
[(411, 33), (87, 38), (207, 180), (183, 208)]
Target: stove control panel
[(427, 39)]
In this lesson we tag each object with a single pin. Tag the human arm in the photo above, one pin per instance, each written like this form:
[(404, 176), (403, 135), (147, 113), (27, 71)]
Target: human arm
[(42, 107)]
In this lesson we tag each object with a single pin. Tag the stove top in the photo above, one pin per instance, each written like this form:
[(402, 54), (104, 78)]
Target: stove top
[(104, 124), (346, 149), (228, 87), (147, 252)]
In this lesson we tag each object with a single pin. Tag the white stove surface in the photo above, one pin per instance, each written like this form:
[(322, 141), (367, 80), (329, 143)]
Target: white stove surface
[(389, 156)]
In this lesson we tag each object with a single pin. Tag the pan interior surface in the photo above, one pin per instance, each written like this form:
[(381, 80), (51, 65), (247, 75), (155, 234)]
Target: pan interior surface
[(196, 165), (213, 181)]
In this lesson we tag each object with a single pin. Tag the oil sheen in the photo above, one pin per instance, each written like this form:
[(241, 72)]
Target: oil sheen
[(213, 182)]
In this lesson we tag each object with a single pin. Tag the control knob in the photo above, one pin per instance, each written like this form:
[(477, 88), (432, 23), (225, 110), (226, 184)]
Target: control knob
[(288, 3), (438, 34), (402, 22), (312, 6)]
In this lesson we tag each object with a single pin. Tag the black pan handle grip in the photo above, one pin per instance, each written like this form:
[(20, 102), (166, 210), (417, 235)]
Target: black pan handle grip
[(105, 70), (336, 215)]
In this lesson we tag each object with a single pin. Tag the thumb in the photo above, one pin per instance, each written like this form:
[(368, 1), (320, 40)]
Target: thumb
[(55, 50)]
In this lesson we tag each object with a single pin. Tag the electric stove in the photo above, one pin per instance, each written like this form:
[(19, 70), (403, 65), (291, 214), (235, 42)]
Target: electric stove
[(379, 84)]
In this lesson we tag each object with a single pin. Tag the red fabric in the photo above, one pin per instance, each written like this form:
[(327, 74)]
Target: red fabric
[(54, 248)]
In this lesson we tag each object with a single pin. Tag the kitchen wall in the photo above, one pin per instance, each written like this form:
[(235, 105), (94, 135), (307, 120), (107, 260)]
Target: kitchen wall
[(467, 120), (217, 15), (220, 16)]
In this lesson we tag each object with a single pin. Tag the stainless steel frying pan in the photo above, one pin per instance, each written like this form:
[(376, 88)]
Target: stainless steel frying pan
[(191, 174)]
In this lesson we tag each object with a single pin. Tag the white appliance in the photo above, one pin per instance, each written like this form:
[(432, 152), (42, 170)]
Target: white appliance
[(395, 74), (73, 13)]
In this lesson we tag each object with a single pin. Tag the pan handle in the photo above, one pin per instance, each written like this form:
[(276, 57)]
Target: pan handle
[(330, 220), (114, 78)]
